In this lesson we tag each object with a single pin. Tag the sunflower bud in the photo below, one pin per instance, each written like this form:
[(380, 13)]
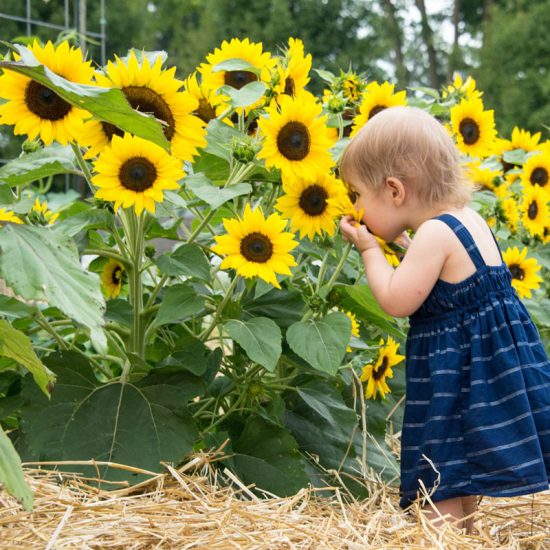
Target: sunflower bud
[(336, 103), (31, 146), (150, 251), (244, 149), (316, 303), (103, 205)]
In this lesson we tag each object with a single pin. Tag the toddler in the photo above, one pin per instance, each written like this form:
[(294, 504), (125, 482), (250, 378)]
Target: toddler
[(477, 412)]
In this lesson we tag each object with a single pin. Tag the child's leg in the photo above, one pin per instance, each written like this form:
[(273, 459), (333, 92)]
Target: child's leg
[(451, 506), (469, 505)]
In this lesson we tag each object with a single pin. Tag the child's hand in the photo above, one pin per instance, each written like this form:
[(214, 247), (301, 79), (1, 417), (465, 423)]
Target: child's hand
[(403, 240), (357, 234)]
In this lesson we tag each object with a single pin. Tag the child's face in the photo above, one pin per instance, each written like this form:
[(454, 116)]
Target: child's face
[(379, 212)]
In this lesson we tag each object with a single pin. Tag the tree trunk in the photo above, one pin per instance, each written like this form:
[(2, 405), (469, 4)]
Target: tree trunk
[(427, 37), (401, 71), (454, 58), (487, 7)]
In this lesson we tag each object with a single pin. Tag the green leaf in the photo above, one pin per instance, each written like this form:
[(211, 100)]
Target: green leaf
[(259, 337), (267, 456), (188, 259), (516, 156), (540, 311), (15, 345), (282, 306), (213, 167), (321, 343), (179, 302), (214, 196), (219, 138), (11, 473), (37, 266), (107, 104), (10, 307), (425, 90), (138, 424), (327, 76), (235, 64), (360, 300), (190, 354), (30, 167), (92, 218), (245, 96)]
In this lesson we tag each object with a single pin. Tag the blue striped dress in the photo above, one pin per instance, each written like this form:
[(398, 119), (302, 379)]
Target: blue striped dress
[(477, 413)]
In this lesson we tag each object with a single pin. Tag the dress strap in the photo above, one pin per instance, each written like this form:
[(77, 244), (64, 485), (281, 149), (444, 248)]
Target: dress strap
[(464, 237)]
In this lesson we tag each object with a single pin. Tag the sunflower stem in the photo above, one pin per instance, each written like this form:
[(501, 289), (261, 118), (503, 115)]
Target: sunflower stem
[(156, 291), (108, 254), (83, 166), (220, 309), (322, 271)]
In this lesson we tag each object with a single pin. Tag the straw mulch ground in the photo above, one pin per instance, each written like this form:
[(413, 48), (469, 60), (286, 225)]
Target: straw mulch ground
[(198, 507)]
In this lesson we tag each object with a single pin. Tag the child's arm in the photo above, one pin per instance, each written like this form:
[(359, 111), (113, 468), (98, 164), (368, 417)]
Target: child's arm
[(400, 291)]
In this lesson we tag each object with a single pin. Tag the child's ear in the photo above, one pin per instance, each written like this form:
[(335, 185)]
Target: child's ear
[(396, 190)]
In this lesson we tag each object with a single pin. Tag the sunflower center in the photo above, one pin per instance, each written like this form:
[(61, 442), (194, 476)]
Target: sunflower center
[(533, 210), (137, 174), (256, 247), (238, 79), (44, 103), (116, 275), (375, 110), (469, 130), (517, 272), (205, 111), (145, 100), (293, 141), (378, 374), (539, 176), (290, 89), (313, 200)]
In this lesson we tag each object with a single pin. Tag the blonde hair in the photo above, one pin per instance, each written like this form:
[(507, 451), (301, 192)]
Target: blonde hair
[(411, 145)]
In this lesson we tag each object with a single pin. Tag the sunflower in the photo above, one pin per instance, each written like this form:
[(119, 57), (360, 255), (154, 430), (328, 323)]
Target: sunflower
[(297, 139), (256, 246), (534, 210), (210, 104), (8, 216), (486, 179), (376, 98), (311, 205), (111, 278), (462, 88), (40, 215), (473, 127), (375, 375), (34, 109), (150, 89), (352, 86), (134, 171), (524, 271), (354, 326), (248, 51), (510, 210), (536, 171), (293, 72)]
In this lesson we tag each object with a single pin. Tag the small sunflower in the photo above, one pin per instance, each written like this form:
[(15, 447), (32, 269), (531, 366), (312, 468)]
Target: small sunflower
[(486, 179), (35, 110), (376, 98), (40, 215), (524, 271), (352, 86), (534, 210), (153, 90), (210, 104), (354, 326), (536, 171), (297, 139), (311, 205), (462, 88), (293, 73), (509, 207), (473, 127), (8, 216), (256, 246), (248, 51), (132, 171), (375, 375), (111, 278)]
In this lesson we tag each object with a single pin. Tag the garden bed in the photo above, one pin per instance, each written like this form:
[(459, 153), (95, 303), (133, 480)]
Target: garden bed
[(180, 509)]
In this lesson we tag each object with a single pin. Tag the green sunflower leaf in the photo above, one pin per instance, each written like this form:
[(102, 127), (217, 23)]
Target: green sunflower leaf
[(136, 424), (245, 96), (107, 104), (38, 265), (212, 195), (219, 137), (15, 345), (321, 343), (11, 473), (178, 303), (45, 162), (188, 259), (260, 337), (11, 307), (235, 64), (516, 156)]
